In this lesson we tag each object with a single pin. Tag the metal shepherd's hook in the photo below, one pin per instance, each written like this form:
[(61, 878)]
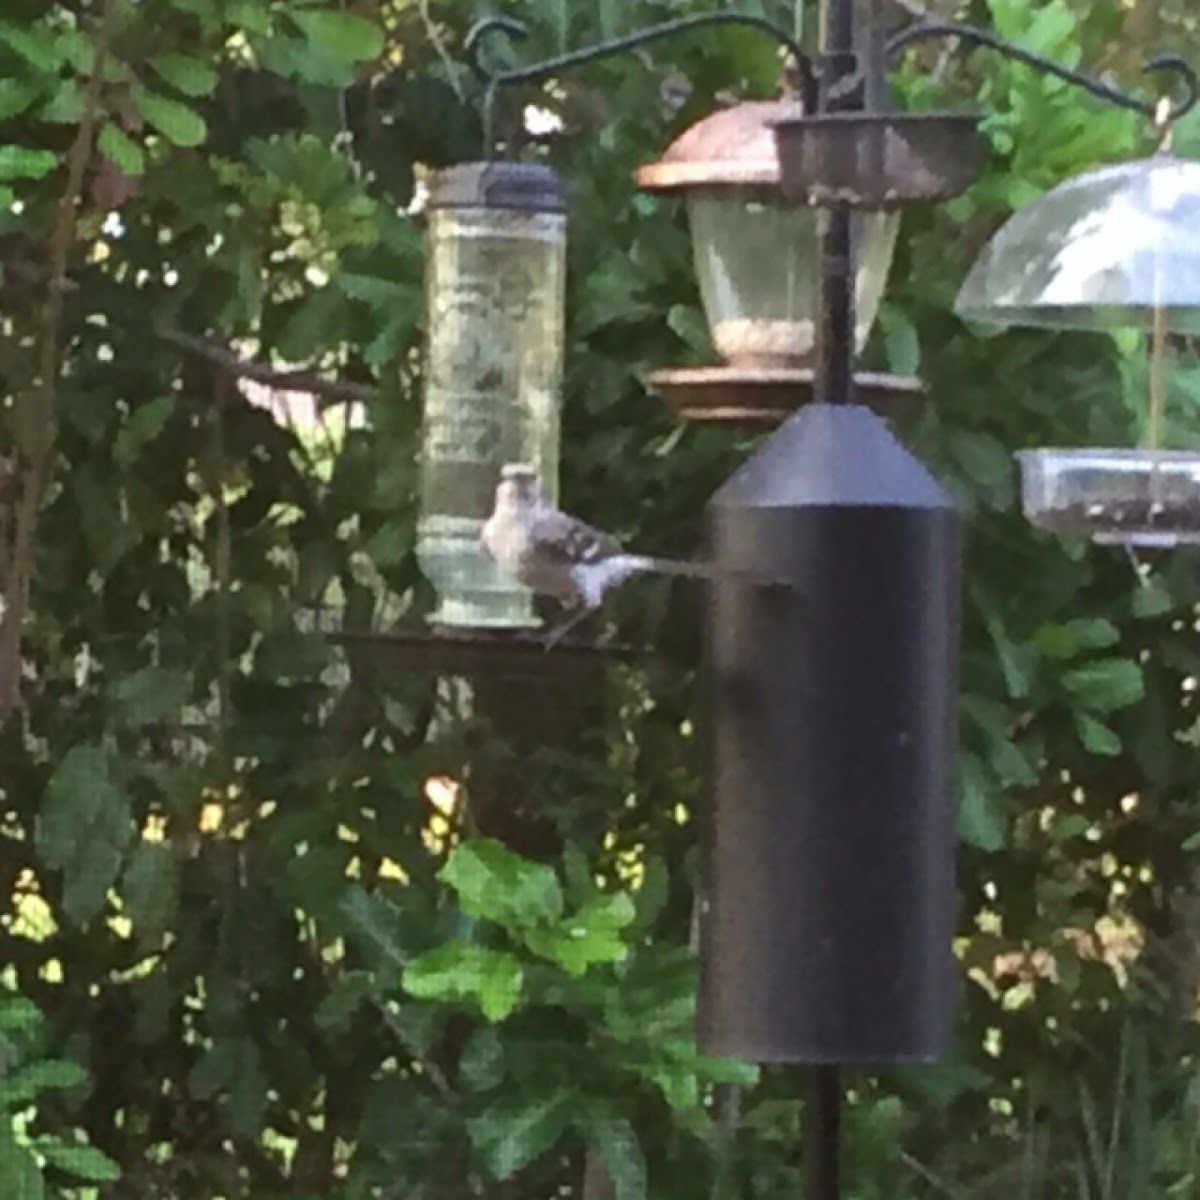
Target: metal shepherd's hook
[(515, 30)]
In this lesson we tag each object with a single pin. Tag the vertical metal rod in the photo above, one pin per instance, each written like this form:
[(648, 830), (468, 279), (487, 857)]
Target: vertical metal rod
[(823, 1135), (836, 350)]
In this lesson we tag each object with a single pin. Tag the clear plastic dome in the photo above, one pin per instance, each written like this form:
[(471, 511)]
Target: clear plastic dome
[(1099, 251)]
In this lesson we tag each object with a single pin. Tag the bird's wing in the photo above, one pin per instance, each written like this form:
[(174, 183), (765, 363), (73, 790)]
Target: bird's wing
[(569, 540)]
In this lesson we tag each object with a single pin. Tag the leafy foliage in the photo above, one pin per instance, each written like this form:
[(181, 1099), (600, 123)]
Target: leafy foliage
[(385, 935), (29, 1161)]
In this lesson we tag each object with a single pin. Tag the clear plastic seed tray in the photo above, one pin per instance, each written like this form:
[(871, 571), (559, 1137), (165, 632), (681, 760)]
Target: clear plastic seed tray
[(1115, 497)]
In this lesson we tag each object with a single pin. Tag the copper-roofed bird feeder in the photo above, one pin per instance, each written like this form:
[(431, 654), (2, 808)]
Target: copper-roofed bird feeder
[(757, 260)]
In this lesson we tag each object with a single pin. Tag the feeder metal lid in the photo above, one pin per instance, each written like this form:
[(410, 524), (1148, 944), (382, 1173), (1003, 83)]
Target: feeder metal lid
[(523, 187), (735, 146), (1099, 251)]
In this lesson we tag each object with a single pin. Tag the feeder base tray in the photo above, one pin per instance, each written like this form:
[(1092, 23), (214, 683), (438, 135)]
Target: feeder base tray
[(1114, 496), (767, 395), (1141, 522), (437, 650)]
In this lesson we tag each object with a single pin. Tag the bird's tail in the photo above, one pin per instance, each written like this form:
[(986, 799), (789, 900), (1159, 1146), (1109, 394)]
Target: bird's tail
[(692, 569)]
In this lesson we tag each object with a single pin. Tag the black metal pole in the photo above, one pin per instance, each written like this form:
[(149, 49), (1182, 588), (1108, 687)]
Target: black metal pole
[(834, 384), (822, 1135), (836, 350)]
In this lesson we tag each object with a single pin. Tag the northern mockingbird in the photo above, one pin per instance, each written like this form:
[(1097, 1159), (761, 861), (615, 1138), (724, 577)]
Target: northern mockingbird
[(555, 554)]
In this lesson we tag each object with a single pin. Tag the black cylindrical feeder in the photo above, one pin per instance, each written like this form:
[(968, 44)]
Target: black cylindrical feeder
[(829, 896)]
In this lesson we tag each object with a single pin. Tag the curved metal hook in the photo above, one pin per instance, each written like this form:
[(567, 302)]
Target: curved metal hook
[(928, 30), (480, 32), (513, 28), (1177, 65)]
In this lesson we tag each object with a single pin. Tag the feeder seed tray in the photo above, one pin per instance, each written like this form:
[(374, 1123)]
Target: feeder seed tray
[(762, 395), (877, 160), (1147, 498), (515, 653)]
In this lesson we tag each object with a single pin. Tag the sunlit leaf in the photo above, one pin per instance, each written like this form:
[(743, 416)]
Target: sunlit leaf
[(120, 149), (492, 881), (185, 73), (176, 121), (344, 34)]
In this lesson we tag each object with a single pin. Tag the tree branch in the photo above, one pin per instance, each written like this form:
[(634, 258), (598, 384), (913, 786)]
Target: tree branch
[(37, 432), (258, 372)]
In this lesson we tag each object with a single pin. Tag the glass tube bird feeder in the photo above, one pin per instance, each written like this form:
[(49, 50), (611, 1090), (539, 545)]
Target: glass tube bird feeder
[(495, 280), (1113, 248)]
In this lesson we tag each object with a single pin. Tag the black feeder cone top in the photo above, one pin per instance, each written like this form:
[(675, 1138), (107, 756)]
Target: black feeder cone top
[(830, 828)]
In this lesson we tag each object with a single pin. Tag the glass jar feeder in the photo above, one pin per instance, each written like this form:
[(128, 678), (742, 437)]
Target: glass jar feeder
[(494, 280)]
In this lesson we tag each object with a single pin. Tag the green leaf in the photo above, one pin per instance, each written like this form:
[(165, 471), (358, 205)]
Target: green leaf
[(149, 695), (459, 971), (985, 461), (19, 1018), (212, 1071), (248, 1090), (345, 35), (83, 829), (150, 890), (516, 1129), (37, 46), (1066, 826), (83, 1162), (20, 1174), (142, 426), (16, 95), (85, 889), (65, 105), (1051, 28), (1066, 638), (902, 345), (1096, 737), (1016, 661), (121, 150), (494, 883), (18, 162), (1106, 685), (343, 1002), (482, 1064), (176, 121), (714, 1069), (375, 921), (73, 46), (78, 791), (1012, 764), (191, 76), (1093, 633), (592, 935), (1152, 600), (613, 1137), (251, 15), (51, 1074), (689, 326), (981, 819)]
